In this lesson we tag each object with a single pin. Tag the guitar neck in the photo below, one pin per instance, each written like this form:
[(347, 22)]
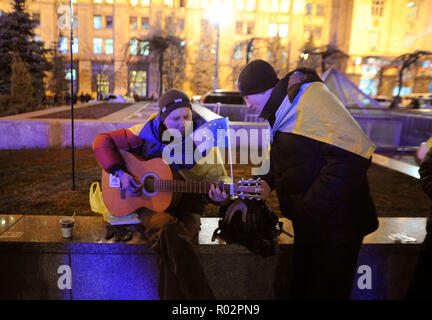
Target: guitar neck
[(187, 186)]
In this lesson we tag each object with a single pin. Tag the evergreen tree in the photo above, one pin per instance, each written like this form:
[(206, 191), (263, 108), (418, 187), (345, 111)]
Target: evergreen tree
[(57, 82), (17, 38), (22, 90)]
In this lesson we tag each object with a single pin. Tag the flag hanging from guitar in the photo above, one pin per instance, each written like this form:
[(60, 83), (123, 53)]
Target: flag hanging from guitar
[(212, 134)]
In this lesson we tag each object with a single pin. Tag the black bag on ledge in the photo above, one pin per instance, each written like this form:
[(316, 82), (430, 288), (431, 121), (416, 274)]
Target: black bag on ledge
[(251, 224)]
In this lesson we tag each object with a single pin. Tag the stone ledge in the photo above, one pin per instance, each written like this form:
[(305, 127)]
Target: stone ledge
[(45, 230), (33, 250)]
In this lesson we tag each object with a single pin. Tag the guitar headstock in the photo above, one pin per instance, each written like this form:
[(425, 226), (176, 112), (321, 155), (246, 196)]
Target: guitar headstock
[(249, 189)]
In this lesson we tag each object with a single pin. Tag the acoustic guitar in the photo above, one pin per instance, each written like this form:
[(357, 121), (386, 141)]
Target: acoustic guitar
[(162, 187)]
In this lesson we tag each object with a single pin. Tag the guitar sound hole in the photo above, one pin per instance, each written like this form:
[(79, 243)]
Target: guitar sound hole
[(148, 184)]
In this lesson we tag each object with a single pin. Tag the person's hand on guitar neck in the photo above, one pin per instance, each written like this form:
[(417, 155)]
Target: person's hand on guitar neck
[(129, 183), (217, 195), (222, 197)]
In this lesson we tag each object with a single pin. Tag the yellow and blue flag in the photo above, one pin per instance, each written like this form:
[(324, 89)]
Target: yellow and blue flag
[(211, 134)]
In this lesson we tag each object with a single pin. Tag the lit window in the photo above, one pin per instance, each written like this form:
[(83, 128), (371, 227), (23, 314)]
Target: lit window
[(308, 8), (36, 19), (250, 28), (284, 6), (36, 38), (63, 45), (205, 4), (274, 6), (144, 48), (75, 46), (283, 30), (412, 10), (181, 25), (134, 2), (377, 8), (97, 1), (250, 6), (133, 47), (97, 45), (145, 24), (320, 9), (75, 22), (145, 3), (109, 1), (133, 23), (239, 5), (168, 3), (109, 46), (109, 22), (237, 51), (97, 22), (272, 30), (239, 27), (68, 74)]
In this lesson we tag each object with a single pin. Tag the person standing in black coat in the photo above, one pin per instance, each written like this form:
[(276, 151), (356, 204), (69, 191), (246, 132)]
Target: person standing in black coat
[(421, 281), (319, 157), (68, 98)]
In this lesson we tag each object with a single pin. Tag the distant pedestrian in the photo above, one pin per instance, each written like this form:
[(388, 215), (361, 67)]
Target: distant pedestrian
[(44, 100), (87, 97), (67, 98), (414, 104), (396, 102), (82, 97)]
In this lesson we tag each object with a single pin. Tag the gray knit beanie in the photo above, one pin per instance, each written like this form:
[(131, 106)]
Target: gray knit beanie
[(258, 76), (171, 100)]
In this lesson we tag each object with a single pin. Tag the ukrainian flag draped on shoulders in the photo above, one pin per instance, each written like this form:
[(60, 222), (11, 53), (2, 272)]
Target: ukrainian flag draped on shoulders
[(210, 166), (317, 113)]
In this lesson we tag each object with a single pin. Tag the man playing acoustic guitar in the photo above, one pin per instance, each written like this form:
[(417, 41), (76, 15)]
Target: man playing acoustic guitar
[(171, 234)]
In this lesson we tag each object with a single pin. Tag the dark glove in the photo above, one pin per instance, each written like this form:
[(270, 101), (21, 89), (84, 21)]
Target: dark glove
[(120, 233)]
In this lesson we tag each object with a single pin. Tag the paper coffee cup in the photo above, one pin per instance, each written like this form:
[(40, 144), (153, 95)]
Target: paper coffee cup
[(67, 227)]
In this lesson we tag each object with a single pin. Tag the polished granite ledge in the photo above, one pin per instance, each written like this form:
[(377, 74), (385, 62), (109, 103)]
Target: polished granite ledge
[(20, 233)]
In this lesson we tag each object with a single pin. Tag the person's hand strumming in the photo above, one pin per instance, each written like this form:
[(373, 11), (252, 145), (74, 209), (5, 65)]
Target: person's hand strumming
[(129, 183)]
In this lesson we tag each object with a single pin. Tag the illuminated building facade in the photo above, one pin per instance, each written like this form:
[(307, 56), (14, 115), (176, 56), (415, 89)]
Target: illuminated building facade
[(382, 30), (109, 56)]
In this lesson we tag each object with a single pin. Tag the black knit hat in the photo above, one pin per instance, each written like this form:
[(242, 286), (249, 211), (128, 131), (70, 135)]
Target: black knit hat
[(258, 76), (171, 100)]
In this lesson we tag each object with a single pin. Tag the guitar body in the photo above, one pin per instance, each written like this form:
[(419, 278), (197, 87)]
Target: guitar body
[(156, 180), (138, 168)]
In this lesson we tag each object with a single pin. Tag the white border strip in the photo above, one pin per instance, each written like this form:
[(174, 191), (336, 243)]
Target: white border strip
[(405, 168)]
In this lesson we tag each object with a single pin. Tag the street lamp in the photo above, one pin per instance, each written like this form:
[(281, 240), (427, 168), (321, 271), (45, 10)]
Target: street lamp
[(219, 12)]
